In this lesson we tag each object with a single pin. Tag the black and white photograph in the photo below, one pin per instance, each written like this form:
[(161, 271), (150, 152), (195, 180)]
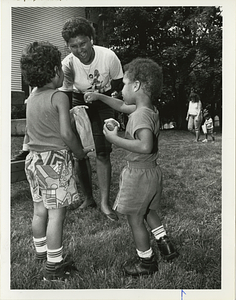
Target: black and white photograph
[(117, 150)]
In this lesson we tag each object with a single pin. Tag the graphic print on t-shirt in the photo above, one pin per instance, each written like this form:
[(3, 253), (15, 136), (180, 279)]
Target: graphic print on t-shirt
[(97, 84)]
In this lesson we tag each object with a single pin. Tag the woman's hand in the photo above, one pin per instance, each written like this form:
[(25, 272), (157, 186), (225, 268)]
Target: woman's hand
[(90, 97)]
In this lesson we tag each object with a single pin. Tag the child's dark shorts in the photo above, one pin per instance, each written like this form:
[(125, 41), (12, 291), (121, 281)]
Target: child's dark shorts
[(51, 178), (140, 188)]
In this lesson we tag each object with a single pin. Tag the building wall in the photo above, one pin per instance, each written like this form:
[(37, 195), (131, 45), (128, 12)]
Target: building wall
[(37, 23)]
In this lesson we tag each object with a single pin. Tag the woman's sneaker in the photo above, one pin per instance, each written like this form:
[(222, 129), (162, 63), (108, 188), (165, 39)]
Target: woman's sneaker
[(140, 266), (166, 248), (59, 271)]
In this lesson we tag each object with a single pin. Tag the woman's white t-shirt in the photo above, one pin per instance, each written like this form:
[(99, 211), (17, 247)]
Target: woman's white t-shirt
[(97, 76)]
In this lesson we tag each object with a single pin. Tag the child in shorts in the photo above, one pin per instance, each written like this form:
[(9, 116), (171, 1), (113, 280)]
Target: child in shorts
[(49, 164), (141, 179), (208, 126)]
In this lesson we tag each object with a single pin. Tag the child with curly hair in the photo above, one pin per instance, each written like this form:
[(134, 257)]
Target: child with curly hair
[(49, 164), (141, 179)]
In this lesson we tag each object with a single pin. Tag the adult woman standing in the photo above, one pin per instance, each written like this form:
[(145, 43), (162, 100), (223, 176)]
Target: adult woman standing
[(92, 68), (194, 114)]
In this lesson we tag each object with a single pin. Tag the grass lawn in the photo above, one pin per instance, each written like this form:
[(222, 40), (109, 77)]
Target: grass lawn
[(191, 213)]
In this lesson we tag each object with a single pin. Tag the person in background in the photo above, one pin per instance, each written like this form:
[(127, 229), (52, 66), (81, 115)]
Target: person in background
[(194, 114), (140, 187), (49, 164), (208, 126), (92, 68)]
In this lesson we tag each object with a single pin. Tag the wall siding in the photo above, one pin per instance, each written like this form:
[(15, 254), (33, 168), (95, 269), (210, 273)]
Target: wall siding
[(37, 23)]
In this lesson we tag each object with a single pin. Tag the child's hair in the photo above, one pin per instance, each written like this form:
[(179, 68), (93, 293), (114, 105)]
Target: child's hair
[(206, 113), (38, 63), (77, 26), (149, 73)]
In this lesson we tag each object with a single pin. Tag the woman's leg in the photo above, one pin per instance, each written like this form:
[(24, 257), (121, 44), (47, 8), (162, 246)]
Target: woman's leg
[(84, 172), (190, 123), (104, 180), (197, 134), (197, 124)]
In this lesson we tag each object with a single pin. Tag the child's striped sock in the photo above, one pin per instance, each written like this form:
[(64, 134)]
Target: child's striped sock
[(159, 232), (40, 247), (53, 257)]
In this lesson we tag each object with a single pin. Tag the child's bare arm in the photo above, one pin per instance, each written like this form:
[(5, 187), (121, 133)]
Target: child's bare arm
[(61, 102), (115, 103), (143, 142)]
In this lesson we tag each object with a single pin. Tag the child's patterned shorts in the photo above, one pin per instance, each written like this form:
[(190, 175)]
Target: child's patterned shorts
[(51, 178)]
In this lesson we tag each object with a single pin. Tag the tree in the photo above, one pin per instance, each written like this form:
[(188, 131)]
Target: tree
[(185, 41)]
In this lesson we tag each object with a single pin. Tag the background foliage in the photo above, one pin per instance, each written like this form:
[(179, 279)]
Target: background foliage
[(185, 41)]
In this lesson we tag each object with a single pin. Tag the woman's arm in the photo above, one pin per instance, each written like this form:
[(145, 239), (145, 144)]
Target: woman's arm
[(188, 112), (143, 142), (115, 103), (61, 102)]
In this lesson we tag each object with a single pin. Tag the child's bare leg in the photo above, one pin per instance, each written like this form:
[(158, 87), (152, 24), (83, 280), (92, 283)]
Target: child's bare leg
[(39, 225), (56, 219), (153, 219), (165, 246), (139, 231), (56, 266), (145, 262)]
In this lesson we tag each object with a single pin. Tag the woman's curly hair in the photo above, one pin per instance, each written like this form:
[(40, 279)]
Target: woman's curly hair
[(77, 26), (148, 73), (38, 63)]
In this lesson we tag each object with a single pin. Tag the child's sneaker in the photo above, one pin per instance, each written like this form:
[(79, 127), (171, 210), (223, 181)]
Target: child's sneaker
[(166, 248), (140, 266), (204, 141), (59, 271)]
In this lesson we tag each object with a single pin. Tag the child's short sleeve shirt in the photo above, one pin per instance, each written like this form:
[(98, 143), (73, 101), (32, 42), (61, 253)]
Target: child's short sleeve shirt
[(143, 118)]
